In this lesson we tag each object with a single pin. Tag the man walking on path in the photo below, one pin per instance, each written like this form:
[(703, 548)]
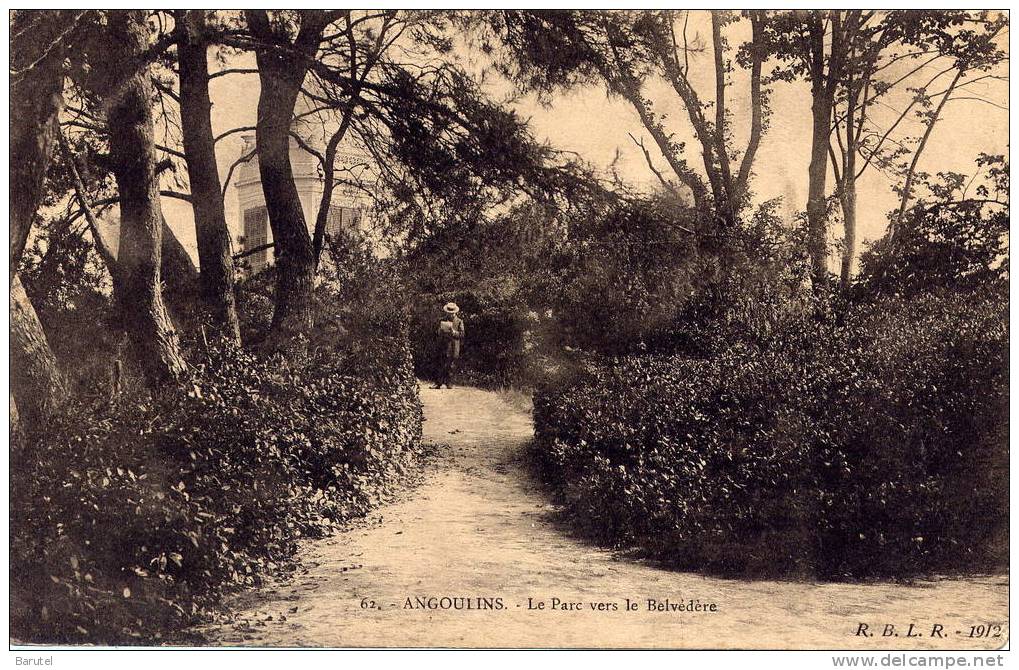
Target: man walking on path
[(451, 334)]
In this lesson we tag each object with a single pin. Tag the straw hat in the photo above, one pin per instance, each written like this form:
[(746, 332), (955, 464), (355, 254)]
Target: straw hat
[(450, 308)]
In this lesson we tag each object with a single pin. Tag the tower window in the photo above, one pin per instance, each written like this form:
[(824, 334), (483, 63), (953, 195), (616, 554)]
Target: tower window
[(256, 234), (342, 218)]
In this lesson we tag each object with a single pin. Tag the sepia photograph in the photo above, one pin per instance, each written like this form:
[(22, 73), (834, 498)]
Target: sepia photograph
[(509, 329)]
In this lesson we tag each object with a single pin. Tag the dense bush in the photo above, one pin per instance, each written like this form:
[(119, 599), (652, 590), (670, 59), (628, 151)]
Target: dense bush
[(70, 292), (842, 448), (625, 275), (490, 268), (918, 418), (130, 517)]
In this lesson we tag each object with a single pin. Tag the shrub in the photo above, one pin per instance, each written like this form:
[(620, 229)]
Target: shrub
[(255, 305), (626, 274), (70, 291), (133, 517), (919, 421), (837, 450), (129, 519), (658, 452), (947, 239)]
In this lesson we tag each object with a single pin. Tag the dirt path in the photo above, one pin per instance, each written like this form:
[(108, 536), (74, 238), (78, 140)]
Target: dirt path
[(478, 527)]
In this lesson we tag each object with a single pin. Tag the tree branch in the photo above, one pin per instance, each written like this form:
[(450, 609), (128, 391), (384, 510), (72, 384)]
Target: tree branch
[(756, 105), (233, 166), (79, 189), (254, 250), (908, 186)]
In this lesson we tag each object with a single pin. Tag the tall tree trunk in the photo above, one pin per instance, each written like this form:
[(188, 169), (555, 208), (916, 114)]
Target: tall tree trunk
[(817, 174), (35, 102), (36, 381), (216, 281), (847, 197), (295, 258), (757, 96), (823, 86), (128, 100), (727, 206), (176, 269), (282, 66), (848, 201), (36, 98)]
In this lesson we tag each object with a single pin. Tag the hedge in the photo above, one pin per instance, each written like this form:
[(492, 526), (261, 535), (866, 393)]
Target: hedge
[(130, 519), (875, 447)]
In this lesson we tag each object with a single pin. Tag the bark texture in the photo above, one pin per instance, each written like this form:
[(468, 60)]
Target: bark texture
[(823, 83), (35, 101), (37, 75), (282, 67), (817, 175), (294, 256), (128, 100), (848, 202), (216, 281), (178, 272), (846, 184), (37, 384)]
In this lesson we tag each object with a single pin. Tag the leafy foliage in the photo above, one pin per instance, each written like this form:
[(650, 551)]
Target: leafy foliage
[(615, 276), (627, 273), (131, 518), (498, 326), (70, 293), (837, 450), (949, 240)]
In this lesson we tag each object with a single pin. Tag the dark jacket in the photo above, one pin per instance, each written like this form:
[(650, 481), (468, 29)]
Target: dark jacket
[(453, 339)]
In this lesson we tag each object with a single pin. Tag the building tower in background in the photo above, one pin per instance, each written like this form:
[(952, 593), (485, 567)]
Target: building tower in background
[(345, 213)]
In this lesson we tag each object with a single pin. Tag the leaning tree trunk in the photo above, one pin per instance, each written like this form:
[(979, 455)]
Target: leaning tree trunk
[(35, 103), (133, 158), (176, 267), (36, 381), (216, 280), (295, 258), (907, 187), (37, 384), (328, 185)]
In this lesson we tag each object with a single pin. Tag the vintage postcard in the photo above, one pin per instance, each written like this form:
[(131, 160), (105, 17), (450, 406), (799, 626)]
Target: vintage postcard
[(509, 329)]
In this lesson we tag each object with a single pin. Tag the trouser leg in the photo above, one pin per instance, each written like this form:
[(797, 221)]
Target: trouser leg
[(450, 371), (443, 377)]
